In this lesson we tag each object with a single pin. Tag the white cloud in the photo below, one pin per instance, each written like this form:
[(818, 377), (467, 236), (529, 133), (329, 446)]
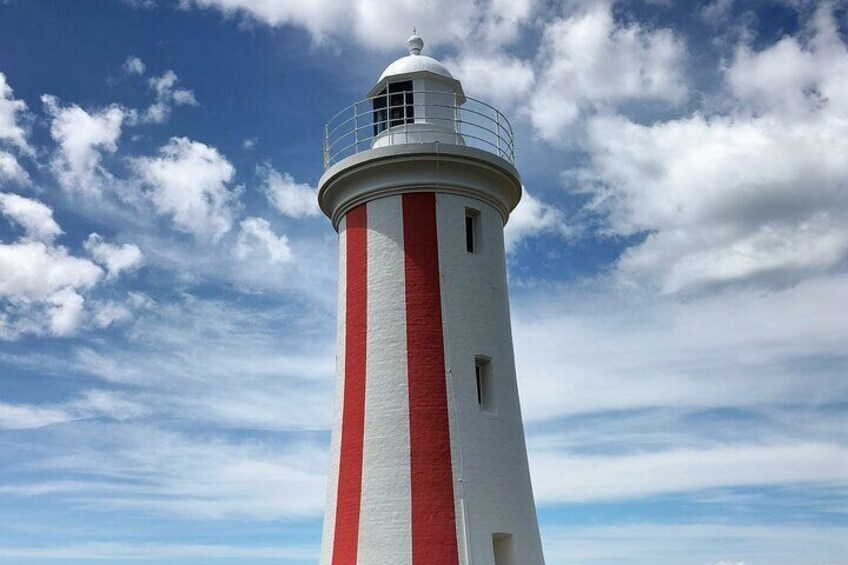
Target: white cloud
[(161, 552), (83, 137), (33, 216), (259, 368), (795, 76), (502, 20), (11, 113), (165, 472), (40, 289), (26, 417), (754, 197), (167, 95), (717, 12), (257, 239), (11, 170), (65, 311), (189, 182), (589, 62), (567, 478), (385, 25), (33, 271), (498, 78), (707, 543), (134, 66), (43, 287), (109, 313), (95, 403), (290, 198), (530, 218), (115, 258), (593, 351)]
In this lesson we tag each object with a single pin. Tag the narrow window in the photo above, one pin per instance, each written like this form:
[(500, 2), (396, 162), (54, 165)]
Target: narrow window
[(472, 221), (395, 108), (483, 380), (504, 549)]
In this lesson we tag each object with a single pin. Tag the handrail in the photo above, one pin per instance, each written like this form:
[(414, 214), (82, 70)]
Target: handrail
[(362, 125)]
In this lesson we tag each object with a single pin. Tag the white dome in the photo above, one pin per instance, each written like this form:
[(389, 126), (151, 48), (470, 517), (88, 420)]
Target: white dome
[(415, 63)]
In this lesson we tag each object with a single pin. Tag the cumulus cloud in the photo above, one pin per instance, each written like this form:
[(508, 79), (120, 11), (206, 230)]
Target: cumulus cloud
[(34, 271), (12, 111), (287, 196), (40, 287), (167, 96), (257, 239), (496, 78), (65, 311), (377, 25), (11, 170), (589, 62), (43, 287), (795, 76), (755, 196), (189, 181), (114, 258), (530, 218), (33, 216), (134, 66), (83, 137)]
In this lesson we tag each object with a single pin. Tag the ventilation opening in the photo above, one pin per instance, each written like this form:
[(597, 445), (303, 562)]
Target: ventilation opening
[(504, 549), (395, 108), (483, 378), (472, 229)]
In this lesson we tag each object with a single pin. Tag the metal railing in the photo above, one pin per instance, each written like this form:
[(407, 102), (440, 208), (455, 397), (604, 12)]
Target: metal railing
[(392, 119)]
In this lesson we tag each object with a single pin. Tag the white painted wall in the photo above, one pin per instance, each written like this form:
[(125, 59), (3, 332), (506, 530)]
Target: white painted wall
[(385, 521), (335, 442), (491, 474)]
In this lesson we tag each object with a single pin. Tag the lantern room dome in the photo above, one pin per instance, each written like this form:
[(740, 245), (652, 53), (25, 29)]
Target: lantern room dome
[(414, 64), (417, 66)]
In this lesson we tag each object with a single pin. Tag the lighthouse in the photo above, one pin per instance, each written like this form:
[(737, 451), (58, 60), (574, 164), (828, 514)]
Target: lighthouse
[(428, 463)]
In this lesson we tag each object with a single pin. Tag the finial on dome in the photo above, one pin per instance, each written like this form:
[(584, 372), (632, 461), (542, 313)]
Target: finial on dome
[(415, 44)]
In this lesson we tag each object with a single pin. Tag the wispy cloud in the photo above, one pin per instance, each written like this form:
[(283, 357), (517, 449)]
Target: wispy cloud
[(708, 544)]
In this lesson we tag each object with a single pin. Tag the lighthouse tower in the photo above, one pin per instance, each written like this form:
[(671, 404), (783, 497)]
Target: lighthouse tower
[(428, 459)]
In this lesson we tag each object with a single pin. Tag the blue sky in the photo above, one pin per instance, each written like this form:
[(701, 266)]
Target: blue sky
[(678, 271)]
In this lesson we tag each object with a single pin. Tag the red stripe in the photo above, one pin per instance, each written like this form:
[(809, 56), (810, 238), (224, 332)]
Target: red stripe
[(433, 518), (346, 537)]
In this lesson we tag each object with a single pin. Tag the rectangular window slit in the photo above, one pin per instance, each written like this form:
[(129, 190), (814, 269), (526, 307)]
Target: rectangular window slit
[(504, 549), (471, 230), (483, 381)]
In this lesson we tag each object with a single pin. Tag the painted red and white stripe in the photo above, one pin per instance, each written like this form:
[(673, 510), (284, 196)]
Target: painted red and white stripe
[(391, 492)]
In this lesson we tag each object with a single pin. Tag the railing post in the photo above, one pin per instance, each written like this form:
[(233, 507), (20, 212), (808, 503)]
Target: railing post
[(355, 128), (498, 132), (405, 129), (456, 117), (326, 145)]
